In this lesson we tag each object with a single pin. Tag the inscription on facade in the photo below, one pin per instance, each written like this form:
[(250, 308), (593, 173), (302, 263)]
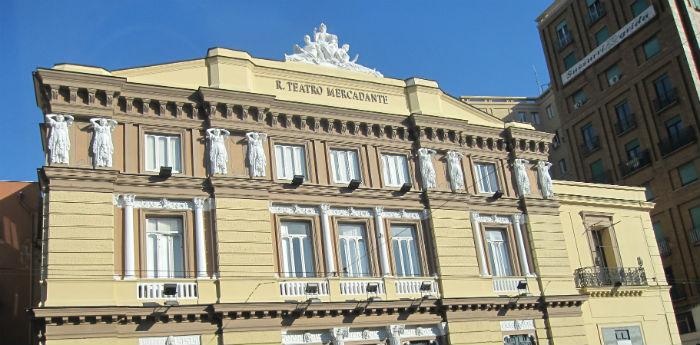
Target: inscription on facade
[(336, 92)]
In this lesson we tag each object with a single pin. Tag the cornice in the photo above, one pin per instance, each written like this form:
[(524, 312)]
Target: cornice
[(66, 178), (77, 79), (174, 186), (157, 92)]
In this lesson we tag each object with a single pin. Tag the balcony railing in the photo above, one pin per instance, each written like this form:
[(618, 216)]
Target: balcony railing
[(595, 12), (684, 137), (509, 285), (666, 99), (605, 276), (591, 146), (664, 247), (623, 127), (149, 291), (346, 288), (695, 235), (565, 39), (635, 164)]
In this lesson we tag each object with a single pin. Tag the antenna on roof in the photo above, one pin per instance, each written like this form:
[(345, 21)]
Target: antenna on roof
[(537, 80)]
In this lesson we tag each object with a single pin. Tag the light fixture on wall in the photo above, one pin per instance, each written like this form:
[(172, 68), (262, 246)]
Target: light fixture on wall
[(311, 289), (497, 195), (297, 180), (372, 287), (165, 172), (405, 188), (169, 289), (354, 184), (426, 286), (522, 285)]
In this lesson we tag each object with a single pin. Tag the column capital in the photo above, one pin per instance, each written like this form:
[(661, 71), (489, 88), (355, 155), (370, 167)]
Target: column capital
[(198, 203), (517, 218), (378, 211), (325, 207), (128, 199)]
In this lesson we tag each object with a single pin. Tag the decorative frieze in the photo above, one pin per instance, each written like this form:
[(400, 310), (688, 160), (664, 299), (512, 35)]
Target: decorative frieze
[(172, 340), (491, 218), (346, 212), (517, 325), (155, 204)]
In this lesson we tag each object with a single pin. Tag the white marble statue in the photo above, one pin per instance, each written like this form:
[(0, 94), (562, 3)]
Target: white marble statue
[(427, 171), (324, 50), (218, 156), (523, 181), (256, 153), (59, 140), (545, 179), (102, 147), (454, 169)]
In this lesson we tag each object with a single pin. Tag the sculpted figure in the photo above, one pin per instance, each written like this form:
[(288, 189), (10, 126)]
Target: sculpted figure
[(521, 177), (545, 179), (102, 147), (218, 157), (308, 52), (454, 169), (256, 153), (59, 142), (427, 171)]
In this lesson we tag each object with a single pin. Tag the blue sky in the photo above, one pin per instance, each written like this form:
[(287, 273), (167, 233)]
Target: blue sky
[(471, 47)]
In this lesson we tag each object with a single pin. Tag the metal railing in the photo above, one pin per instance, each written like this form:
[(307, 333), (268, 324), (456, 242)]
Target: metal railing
[(643, 159), (665, 99), (610, 276), (684, 137), (622, 127)]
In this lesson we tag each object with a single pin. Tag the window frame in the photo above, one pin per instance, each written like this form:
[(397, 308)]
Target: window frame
[(512, 250), (476, 176), (185, 157), (187, 241), (409, 166), (316, 242), (308, 167), (421, 247), (680, 174), (331, 167), (372, 245)]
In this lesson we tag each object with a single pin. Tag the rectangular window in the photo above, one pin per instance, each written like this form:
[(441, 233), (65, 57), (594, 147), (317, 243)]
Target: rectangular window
[(352, 243), (297, 249), (521, 116), (395, 170), (601, 36), (163, 151), (486, 177), (590, 137), (563, 34), (685, 321), (498, 252), (687, 173), (570, 60), (651, 47), (674, 128), (658, 232), (345, 166), (595, 10), (579, 98), (598, 172), (291, 160), (639, 6), (550, 112), (556, 141), (613, 75), (625, 118), (562, 166), (695, 217), (599, 251), (665, 92), (632, 149), (535, 118), (405, 250), (164, 248)]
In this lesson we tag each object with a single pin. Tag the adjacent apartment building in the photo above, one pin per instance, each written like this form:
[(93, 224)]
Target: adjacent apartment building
[(236, 200), (625, 84)]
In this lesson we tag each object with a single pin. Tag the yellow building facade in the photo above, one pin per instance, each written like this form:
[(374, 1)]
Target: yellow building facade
[(237, 200)]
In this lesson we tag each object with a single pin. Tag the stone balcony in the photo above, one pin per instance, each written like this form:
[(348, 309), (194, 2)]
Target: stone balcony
[(336, 289)]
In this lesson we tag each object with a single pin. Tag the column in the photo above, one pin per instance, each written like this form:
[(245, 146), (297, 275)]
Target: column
[(522, 254), (199, 238), (129, 266), (479, 245), (327, 239), (381, 238)]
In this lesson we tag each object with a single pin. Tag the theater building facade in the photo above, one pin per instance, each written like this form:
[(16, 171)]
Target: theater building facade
[(237, 200)]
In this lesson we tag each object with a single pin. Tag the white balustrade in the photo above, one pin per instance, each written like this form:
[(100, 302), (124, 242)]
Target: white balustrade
[(413, 286), (155, 291), (359, 287), (508, 284), (299, 288)]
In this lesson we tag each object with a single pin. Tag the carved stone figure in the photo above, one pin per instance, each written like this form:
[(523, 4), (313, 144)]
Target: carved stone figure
[(256, 153), (521, 177), (545, 179), (324, 51), (218, 156), (427, 171), (59, 141), (102, 147), (454, 169), (395, 333)]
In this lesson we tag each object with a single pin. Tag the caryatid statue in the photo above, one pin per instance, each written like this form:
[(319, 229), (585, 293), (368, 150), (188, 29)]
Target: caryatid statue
[(427, 171), (523, 181), (218, 156), (256, 153), (545, 179), (59, 140), (454, 169), (102, 146)]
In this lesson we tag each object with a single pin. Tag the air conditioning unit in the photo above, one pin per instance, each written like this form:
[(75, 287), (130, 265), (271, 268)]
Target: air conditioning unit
[(614, 79), (578, 105)]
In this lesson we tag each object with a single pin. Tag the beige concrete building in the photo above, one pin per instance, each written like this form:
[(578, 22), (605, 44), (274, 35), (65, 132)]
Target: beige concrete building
[(236, 200), (625, 82)]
